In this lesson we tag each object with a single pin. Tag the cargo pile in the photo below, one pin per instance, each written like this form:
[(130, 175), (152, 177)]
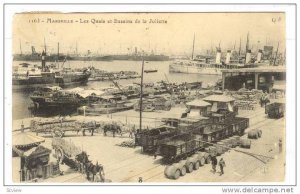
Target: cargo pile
[(68, 147), (129, 143), (245, 99)]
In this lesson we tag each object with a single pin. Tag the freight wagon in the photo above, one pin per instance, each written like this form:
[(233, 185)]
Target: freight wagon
[(275, 110)]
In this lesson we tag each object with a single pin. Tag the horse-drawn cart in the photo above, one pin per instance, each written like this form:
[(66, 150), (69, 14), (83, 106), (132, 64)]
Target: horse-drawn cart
[(67, 153), (58, 127)]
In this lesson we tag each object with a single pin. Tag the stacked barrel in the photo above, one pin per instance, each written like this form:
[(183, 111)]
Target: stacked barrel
[(188, 165)]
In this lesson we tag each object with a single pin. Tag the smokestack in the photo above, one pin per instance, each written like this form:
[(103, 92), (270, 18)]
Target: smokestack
[(248, 56), (228, 55), (259, 54), (43, 60), (218, 56)]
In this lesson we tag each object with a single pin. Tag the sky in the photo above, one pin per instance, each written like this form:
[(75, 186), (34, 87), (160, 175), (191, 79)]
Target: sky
[(173, 36)]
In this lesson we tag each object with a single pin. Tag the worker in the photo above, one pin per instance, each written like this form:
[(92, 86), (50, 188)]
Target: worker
[(280, 145), (214, 162), (266, 98), (222, 165), (131, 132)]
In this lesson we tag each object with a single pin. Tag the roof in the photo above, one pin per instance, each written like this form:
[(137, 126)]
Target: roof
[(199, 103), (34, 151), (219, 98), (26, 139), (264, 69)]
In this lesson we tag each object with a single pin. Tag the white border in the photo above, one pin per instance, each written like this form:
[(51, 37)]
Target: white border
[(290, 46)]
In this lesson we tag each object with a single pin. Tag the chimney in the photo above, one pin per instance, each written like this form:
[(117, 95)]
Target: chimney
[(218, 56), (228, 55), (43, 60), (248, 56), (259, 54)]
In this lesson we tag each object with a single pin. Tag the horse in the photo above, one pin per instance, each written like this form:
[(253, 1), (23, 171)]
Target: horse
[(114, 128), (83, 159), (89, 167), (90, 126), (94, 170)]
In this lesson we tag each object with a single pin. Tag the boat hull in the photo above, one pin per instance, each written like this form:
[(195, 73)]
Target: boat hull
[(49, 80), (193, 69)]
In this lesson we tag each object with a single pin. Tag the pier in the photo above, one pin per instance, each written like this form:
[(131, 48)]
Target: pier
[(259, 78)]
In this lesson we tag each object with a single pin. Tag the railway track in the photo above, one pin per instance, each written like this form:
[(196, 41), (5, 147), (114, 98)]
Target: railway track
[(143, 172)]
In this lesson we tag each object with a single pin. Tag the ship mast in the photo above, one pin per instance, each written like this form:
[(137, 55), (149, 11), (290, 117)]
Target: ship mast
[(76, 49), (193, 47), (58, 51), (247, 44), (240, 49), (45, 47), (58, 55), (234, 45)]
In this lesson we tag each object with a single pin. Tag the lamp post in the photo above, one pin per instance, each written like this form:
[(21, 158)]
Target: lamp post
[(141, 93)]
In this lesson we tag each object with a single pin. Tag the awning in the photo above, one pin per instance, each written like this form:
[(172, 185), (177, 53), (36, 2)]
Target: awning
[(218, 98), (25, 139)]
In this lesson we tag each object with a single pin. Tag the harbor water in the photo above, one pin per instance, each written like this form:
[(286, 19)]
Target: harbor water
[(21, 100)]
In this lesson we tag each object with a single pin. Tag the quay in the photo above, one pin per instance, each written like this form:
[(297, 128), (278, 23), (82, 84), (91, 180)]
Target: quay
[(260, 78), (123, 164)]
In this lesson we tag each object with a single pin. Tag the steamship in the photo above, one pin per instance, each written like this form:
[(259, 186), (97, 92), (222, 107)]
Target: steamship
[(33, 76), (204, 64)]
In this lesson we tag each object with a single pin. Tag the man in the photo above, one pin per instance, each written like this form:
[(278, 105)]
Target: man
[(214, 163), (222, 165), (266, 98), (280, 145)]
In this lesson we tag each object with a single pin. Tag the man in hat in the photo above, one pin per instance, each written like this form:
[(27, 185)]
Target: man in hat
[(214, 162), (222, 165)]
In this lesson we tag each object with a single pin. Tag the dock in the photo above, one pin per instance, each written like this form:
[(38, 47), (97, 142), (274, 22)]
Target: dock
[(260, 78), (123, 164)]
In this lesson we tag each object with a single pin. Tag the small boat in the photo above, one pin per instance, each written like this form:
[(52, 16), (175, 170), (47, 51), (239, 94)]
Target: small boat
[(150, 70)]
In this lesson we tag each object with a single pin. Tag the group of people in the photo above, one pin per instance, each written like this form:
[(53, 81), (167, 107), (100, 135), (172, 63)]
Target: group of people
[(214, 163)]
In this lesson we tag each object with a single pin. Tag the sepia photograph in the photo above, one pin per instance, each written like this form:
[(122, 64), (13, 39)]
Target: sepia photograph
[(149, 96)]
